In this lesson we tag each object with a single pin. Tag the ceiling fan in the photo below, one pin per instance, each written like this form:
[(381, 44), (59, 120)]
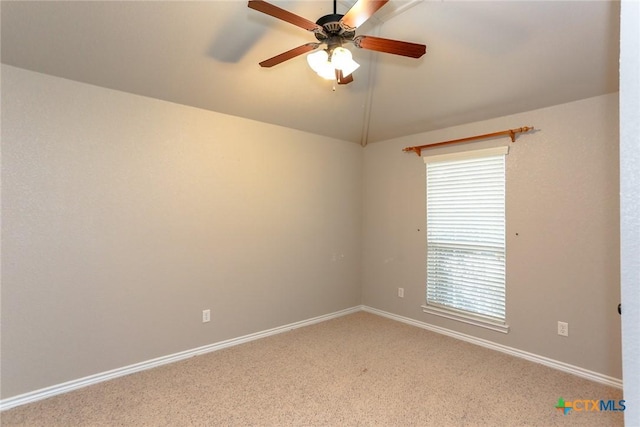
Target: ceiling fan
[(334, 30)]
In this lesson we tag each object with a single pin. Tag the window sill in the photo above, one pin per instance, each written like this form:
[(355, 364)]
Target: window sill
[(471, 320)]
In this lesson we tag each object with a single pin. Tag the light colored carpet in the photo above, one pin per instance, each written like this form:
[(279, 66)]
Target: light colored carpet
[(359, 369)]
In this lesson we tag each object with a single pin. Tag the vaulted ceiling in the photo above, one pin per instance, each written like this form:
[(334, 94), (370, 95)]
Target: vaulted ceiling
[(484, 59)]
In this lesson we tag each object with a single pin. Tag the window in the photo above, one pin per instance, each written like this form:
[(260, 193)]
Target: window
[(466, 237)]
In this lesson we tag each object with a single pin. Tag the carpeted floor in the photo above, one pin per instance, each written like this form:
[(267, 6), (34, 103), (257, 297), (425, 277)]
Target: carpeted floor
[(359, 369)]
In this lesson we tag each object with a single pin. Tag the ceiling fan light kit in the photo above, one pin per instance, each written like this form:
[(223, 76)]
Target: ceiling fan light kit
[(334, 30), (325, 62)]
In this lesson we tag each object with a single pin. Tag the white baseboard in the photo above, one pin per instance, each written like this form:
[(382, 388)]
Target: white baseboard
[(47, 392), (561, 366), (51, 391)]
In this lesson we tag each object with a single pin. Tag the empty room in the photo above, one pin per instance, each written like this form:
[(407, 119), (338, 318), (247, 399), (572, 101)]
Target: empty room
[(319, 213)]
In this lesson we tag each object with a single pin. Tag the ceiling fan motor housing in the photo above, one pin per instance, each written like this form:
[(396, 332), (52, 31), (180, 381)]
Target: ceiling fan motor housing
[(334, 33)]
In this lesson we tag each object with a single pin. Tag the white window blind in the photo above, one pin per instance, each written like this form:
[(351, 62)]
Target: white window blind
[(466, 235)]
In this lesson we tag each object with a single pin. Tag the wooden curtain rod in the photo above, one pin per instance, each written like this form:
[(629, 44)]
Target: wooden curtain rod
[(511, 132)]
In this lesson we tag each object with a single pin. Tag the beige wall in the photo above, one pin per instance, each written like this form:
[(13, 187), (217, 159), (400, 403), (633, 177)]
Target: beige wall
[(562, 231), (124, 217)]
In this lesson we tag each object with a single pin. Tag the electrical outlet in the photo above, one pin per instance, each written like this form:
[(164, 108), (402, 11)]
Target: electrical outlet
[(400, 292), (563, 329), (206, 316)]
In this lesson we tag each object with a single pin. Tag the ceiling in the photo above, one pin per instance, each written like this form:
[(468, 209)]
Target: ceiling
[(484, 59)]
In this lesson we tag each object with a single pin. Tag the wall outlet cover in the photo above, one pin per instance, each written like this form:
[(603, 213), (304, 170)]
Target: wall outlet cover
[(563, 329)]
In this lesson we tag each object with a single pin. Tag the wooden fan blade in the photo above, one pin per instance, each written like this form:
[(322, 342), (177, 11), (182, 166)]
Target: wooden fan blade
[(395, 47), (360, 12), (343, 80), (285, 56), (276, 12)]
